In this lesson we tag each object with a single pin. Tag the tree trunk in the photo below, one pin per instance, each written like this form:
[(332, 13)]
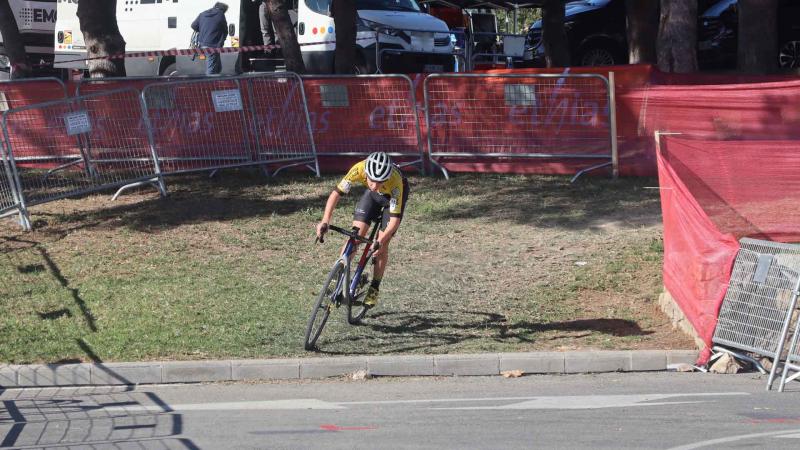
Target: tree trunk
[(344, 20), (677, 36), (98, 20), (642, 31), (12, 41), (554, 36), (286, 36), (758, 36)]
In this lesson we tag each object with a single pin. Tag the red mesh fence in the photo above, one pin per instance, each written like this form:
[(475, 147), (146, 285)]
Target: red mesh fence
[(738, 108), (713, 193), (354, 116), (188, 131), (18, 93), (524, 116), (78, 145), (215, 123)]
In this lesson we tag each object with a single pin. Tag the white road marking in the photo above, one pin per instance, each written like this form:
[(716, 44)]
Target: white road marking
[(552, 402), (789, 436), (559, 399), (599, 401), (714, 442)]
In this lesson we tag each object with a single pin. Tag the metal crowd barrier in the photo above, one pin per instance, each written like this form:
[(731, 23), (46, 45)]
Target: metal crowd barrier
[(555, 116), (29, 91), (93, 85), (16, 94), (761, 299), (78, 146), (116, 139), (217, 123), (792, 362), (356, 115), (9, 196)]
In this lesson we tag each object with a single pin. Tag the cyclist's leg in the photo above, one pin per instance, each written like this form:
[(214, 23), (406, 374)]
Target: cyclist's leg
[(366, 209), (383, 259)]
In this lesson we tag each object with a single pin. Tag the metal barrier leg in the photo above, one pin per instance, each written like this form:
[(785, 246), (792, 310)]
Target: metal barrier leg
[(25, 219), (419, 162), (444, 171), (784, 331), (22, 220), (787, 365), (161, 186), (154, 182), (61, 167), (588, 169), (304, 163)]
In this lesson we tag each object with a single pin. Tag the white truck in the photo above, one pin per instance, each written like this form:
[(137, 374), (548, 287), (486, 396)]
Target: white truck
[(147, 25), (36, 21), (154, 25)]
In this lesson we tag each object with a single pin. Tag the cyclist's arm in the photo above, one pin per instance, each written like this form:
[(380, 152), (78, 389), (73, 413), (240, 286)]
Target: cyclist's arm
[(333, 199)]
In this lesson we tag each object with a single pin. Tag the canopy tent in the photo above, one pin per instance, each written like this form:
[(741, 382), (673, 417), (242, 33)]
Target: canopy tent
[(512, 7)]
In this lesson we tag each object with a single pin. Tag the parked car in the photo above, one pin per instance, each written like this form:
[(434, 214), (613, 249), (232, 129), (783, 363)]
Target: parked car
[(596, 32), (718, 35)]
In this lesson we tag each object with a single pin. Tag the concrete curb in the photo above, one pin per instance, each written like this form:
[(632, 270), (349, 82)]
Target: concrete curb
[(484, 364)]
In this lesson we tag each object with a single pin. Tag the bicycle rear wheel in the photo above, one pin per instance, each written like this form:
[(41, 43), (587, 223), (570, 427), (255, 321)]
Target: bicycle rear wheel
[(323, 306), (356, 309)]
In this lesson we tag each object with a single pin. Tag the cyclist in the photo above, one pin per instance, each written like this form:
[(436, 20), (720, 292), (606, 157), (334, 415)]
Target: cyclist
[(385, 184)]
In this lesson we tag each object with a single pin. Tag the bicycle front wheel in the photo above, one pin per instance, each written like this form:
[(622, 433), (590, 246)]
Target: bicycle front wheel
[(325, 303)]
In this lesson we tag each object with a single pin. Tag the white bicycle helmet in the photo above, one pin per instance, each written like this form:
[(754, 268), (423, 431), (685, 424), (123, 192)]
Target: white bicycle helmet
[(379, 166)]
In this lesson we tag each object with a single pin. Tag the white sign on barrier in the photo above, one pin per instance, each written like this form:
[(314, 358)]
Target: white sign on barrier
[(77, 123), (227, 100)]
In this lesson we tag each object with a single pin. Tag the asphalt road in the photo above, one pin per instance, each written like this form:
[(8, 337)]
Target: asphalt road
[(616, 410)]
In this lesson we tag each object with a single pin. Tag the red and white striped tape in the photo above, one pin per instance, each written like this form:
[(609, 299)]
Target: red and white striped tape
[(190, 52)]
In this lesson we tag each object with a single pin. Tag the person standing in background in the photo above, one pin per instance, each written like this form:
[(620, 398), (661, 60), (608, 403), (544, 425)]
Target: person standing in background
[(267, 28), (212, 29)]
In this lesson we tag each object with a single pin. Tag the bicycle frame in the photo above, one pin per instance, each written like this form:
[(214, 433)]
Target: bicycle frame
[(352, 283)]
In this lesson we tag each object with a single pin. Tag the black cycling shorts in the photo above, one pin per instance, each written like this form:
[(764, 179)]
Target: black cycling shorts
[(369, 207)]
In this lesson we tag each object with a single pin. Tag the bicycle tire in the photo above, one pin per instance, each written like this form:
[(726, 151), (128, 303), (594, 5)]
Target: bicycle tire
[(356, 309), (322, 307)]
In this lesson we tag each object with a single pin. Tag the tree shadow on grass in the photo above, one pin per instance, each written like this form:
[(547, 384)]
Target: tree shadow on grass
[(549, 201), (400, 332), (191, 200), (53, 268)]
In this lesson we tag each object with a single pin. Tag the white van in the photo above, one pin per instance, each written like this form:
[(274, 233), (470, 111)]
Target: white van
[(148, 25), (36, 22), (409, 40)]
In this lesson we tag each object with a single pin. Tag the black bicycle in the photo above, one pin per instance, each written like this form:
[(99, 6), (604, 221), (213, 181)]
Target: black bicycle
[(339, 288)]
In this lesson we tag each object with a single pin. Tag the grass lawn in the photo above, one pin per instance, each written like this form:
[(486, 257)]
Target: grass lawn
[(227, 268)]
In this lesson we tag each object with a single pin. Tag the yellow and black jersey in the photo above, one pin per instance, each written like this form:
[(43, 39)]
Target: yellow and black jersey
[(395, 187)]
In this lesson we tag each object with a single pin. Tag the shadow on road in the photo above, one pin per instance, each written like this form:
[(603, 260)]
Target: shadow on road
[(96, 417)]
